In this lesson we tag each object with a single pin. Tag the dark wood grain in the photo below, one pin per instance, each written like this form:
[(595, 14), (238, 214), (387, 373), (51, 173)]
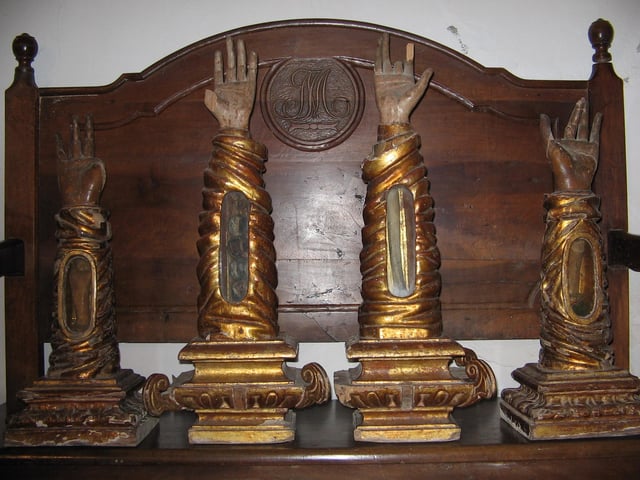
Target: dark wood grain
[(610, 182), (23, 348)]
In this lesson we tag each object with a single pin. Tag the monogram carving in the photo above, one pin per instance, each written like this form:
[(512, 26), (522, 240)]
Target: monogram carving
[(312, 103)]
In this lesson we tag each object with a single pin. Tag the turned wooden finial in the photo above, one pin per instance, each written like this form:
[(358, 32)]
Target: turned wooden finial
[(601, 36), (25, 49)]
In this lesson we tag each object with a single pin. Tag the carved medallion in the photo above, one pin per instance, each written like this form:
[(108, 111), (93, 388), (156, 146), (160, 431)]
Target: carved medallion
[(312, 103)]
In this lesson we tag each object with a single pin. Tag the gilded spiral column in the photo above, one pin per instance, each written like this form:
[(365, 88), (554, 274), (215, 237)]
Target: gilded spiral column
[(574, 390), (240, 388), (403, 389), (85, 398), (83, 340), (575, 327), (237, 271), (399, 260)]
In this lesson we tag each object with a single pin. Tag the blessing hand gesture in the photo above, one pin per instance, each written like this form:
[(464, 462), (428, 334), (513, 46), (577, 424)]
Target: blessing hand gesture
[(81, 176), (397, 92), (574, 158), (231, 100)]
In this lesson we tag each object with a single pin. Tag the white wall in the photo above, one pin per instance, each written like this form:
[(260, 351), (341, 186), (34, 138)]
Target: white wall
[(91, 42)]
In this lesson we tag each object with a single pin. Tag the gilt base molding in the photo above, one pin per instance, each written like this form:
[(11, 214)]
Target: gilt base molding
[(264, 426), (572, 404), (87, 412), (242, 391), (405, 390)]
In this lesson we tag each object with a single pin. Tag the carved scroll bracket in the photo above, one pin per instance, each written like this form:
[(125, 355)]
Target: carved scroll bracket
[(405, 391), (254, 410)]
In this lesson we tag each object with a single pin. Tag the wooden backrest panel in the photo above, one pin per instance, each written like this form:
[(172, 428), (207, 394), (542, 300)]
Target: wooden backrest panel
[(481, 144), (480, 141)]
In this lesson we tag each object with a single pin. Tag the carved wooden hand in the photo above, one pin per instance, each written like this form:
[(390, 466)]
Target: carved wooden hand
[(397, 92), (231, 101), (81, 176), (574, 158)]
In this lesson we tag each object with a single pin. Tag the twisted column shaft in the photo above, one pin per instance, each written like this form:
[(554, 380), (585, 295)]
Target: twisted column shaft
[(237, 165), (576, 330), (84, 343), (415, 312)]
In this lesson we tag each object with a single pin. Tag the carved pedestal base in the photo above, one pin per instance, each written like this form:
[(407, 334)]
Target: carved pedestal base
[(241, 391), (576, 404), (94, 412), (405, 390)]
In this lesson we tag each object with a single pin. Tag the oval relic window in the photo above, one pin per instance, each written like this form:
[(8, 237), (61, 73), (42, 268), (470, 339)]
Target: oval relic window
[(77, 295), (401, 241), (234, 247), (581, 275)]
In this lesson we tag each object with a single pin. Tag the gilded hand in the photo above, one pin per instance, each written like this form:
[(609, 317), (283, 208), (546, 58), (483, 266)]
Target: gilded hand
[(574, 158), (397, 92), (231, 100), (81, 176)]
